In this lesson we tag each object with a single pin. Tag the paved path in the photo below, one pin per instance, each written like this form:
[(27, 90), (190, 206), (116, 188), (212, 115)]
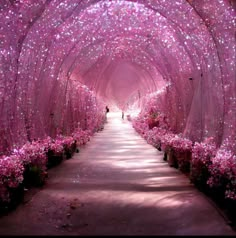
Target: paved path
[(116, 185)]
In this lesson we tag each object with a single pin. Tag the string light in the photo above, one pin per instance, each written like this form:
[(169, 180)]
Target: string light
[(166, 40)]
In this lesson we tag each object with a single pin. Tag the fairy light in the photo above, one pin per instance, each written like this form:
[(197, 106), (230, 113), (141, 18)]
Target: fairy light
[(178, 39)]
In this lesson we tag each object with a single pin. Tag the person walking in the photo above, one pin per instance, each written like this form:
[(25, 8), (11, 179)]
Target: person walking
[(107, 110)]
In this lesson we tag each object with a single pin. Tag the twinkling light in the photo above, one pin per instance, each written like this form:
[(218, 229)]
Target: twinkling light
[(46, 44)]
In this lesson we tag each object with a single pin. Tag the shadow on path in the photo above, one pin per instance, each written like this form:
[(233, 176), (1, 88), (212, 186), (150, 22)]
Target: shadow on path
[(116, 185)]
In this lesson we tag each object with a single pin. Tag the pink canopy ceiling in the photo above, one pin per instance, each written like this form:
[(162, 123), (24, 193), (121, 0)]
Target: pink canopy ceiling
[(120, 50)]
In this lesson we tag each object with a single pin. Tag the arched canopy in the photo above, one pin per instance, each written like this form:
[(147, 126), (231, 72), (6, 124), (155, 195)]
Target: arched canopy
[(120, 49)]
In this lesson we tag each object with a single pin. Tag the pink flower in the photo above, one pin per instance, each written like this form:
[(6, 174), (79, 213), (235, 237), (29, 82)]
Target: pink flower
[(223, 172)]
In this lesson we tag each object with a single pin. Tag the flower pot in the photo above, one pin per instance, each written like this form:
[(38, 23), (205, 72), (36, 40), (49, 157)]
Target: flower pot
[(54, 159), (34, 176), (184, 160), (171, 159), (16, 196)]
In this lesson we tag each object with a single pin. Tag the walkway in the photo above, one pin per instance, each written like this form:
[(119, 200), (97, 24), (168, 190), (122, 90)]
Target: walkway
[(116, 185)]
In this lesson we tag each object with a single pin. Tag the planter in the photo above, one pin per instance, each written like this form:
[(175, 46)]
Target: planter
[(165, 156), (54, 159), (184, 161), (68, 153), (70, 150), (158, 145), (171, 159), (34, 176), (199, 174), (16, 196)]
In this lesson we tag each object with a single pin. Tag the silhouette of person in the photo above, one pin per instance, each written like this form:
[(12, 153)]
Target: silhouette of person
[(107, 110), (123, 114)]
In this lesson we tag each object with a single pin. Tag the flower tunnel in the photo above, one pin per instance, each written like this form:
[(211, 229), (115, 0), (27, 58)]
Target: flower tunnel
[(62, 62)]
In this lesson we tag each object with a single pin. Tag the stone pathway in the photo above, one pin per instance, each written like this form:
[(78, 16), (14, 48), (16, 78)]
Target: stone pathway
[(117, 185)]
